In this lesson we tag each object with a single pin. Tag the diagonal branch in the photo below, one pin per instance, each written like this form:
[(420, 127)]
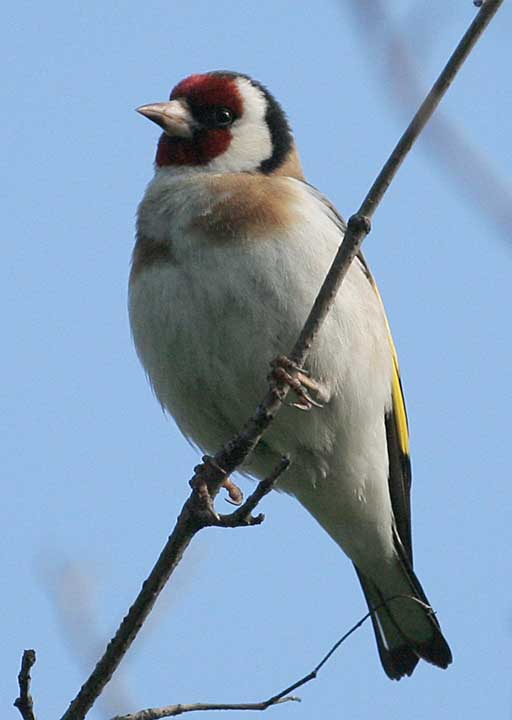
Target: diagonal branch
[(454, 151), (197, 511)]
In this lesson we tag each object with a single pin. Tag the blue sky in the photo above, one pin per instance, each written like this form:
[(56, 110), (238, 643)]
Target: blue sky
[(94, 474)]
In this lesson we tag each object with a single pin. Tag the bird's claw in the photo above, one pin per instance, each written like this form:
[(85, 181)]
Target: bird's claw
[(282, 361), (202, 476), (236, 496), (299, 382)]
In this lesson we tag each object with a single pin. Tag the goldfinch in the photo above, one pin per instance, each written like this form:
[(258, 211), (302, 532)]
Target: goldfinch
[(232, 247)]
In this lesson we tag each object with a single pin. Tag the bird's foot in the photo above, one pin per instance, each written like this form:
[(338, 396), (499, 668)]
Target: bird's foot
[(203, 474), (207, 477), (286, 371)]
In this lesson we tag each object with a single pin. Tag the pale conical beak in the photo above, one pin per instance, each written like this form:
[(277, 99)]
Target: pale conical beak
[(173, 117)]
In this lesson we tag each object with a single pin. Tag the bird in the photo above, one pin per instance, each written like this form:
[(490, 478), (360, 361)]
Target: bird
[(232, 246)]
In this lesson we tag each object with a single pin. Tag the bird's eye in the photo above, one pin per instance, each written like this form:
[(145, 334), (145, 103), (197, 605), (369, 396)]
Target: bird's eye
[(211, 117), (222, 117)]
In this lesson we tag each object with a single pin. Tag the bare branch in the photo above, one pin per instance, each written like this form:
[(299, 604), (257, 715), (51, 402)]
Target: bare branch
[(197, 513), (428, 106), (454, 151), (198, 510), (173, 710), (24, 702)]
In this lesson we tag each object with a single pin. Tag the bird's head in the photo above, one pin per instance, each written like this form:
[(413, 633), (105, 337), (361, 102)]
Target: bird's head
[(223, 122)]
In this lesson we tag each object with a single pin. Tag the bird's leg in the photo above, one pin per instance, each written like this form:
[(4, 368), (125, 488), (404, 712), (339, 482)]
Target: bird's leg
[(286, 371)]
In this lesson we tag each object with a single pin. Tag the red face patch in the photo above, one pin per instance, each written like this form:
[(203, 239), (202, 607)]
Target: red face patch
[(207, 143), (210, 90), (199, 150)]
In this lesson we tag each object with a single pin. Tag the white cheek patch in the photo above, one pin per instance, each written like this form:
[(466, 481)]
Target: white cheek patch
[(251, 141)]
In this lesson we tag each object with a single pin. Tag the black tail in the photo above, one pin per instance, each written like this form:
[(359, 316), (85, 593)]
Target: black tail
[(405, 626)]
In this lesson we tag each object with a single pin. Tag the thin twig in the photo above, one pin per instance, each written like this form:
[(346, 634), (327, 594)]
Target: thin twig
[(173, 710), (486, 189), (280, 697), (24, 702), (195, 514), (313, 673), (428, 106)]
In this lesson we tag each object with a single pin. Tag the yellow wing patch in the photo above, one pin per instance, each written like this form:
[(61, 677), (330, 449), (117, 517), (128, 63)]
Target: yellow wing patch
[(396, 390), (399, 404)]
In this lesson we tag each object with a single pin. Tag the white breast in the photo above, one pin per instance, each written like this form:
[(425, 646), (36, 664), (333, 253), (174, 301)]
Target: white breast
[(207, 325)]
